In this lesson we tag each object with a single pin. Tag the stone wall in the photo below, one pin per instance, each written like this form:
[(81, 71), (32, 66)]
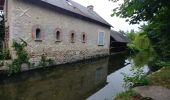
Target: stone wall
[(25, 16)]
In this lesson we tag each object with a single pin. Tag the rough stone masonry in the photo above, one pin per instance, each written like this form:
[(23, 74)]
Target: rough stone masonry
[(24, 18)]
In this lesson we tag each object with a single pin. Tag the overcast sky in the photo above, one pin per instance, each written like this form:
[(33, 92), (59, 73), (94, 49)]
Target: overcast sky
[(104, 8)]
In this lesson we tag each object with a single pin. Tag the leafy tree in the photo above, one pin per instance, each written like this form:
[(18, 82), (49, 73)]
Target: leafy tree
[(156, 13), (140, 10)]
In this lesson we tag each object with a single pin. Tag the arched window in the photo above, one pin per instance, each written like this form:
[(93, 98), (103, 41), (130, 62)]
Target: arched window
[(38, 34), (84, 37), (58, 34), (72, 37)]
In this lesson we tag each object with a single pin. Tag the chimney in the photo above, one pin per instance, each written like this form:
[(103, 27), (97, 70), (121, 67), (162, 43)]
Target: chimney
[(90, 7)]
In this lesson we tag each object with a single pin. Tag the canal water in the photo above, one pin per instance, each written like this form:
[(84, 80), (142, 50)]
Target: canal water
[(97, 79)]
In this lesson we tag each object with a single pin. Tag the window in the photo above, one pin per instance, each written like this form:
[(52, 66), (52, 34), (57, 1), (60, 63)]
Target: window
[(72, 37), (38, 34), (57, 34), (99, 75), (101, 38), (84, 37)]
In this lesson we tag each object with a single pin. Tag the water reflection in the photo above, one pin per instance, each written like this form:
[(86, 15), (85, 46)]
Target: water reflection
[(99, 79), (118, 64), (67, 82)]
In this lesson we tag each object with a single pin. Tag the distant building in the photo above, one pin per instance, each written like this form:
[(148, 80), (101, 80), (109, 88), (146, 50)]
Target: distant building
[(118, 42), (61, 29)]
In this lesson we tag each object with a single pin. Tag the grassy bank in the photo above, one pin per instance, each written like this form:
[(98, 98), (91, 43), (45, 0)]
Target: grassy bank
[(130, 95), (159, 78)]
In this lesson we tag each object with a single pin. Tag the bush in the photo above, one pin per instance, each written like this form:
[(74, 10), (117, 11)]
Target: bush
[(22, 57), (45, 62), (4, 54), (138, 78)]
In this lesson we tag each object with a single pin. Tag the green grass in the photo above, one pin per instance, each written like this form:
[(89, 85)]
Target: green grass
[(160, 78), (130, 95)]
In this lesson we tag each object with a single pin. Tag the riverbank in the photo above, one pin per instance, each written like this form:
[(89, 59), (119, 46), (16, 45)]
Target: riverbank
[(159, 78)]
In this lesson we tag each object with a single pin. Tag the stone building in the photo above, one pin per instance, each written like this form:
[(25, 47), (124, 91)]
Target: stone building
[(63, 30)]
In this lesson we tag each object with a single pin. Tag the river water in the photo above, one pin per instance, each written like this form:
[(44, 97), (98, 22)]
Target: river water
[(97, 79)]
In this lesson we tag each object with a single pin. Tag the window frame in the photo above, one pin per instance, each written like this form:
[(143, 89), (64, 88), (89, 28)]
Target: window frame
[(34, 29), (74, 38), (60, 35), (84, 39), (38, 37), (99, 38)]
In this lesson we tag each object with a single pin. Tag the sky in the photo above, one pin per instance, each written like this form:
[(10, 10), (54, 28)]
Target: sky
[(104, 9)]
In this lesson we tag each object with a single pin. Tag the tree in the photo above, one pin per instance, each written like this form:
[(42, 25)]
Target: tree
[(156, 13)]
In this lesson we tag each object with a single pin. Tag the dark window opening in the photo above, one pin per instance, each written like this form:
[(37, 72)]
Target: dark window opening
[(72, 37), (38, 33), (84, 38), (58, 35)]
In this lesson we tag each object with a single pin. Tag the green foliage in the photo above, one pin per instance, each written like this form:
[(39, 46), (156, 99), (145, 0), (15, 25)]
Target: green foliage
[(141, 43), (139, 40), (143, 58), (138, 78), (157, 15), (45, 62), (4, 54), (131, 36), (139, 10), (22, 57), (127, 95), (130, 95), (160, 78)]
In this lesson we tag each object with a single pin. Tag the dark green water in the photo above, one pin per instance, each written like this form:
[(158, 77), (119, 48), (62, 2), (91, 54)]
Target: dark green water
[(98, 79)]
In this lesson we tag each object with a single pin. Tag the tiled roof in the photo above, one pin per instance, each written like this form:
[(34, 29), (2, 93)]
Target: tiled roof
[(69, 6), (119, 37), (76, 8)]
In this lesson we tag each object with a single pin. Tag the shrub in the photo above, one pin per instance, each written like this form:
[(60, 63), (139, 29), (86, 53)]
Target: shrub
[(4, 54), (138, 78), (45, 62), (22, 57)]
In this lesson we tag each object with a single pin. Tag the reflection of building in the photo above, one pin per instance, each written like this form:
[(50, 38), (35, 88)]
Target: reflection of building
[(71, 82), (62, 29), (118, 42), (116, 62)]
